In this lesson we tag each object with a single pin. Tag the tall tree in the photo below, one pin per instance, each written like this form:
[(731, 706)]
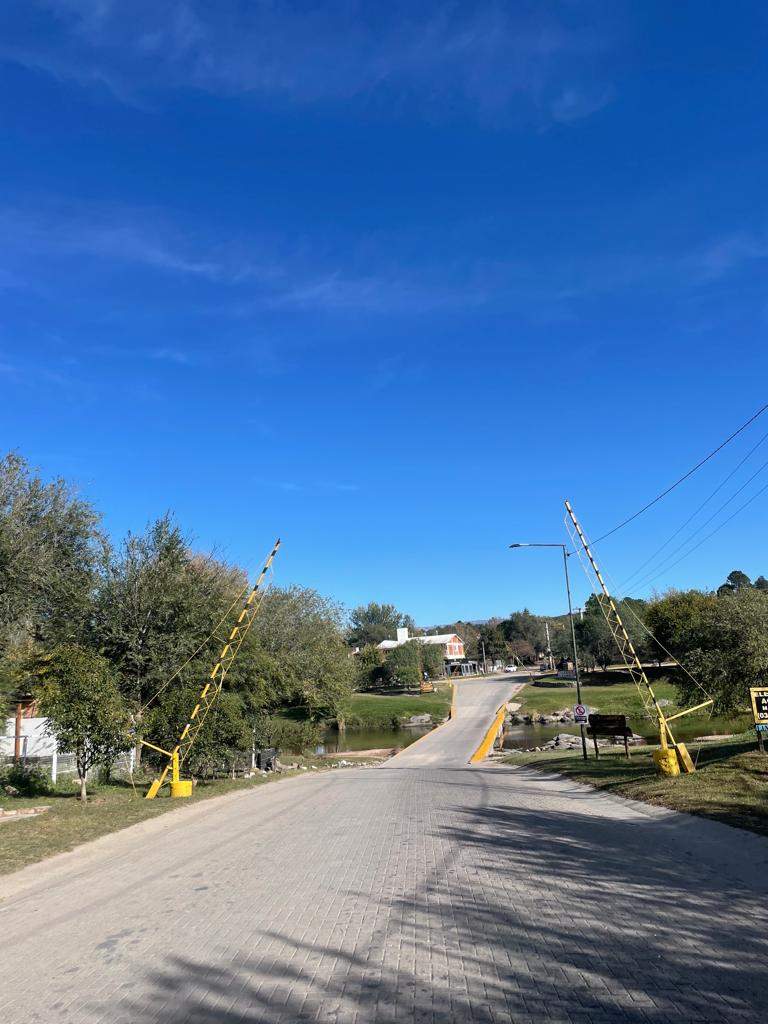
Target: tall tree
[(733, 652), (404, 663), (51, 550), (432, 661), (157, 607), (527, 627), (492, 640), (300, 632), (372, 623), (735, 581)]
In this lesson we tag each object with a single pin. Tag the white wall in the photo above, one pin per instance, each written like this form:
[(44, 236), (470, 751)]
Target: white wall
[(39, 743)]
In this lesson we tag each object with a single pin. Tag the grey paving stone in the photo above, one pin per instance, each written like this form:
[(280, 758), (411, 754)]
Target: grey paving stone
[(426, 890)]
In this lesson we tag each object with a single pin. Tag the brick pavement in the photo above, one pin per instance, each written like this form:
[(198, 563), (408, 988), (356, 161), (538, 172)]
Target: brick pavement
[(425, 890)]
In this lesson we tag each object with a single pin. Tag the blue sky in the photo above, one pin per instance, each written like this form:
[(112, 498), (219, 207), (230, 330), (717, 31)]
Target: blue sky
[(390, 280)]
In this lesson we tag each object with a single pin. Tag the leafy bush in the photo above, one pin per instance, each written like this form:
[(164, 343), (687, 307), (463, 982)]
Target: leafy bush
[(30, 780), (290, 737)]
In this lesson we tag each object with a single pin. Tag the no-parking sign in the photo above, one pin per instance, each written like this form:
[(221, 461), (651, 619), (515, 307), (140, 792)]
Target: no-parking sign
[(580, 714)]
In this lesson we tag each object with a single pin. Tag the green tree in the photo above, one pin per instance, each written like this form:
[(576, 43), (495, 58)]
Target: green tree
[(682, 621), (735, 581), (432, 661), (78, 694), (495, 643), (404, 664), (372, 623), (595, 640), (526, 627), (371, 668), (722, 641), (761, 583), (300, 631), (51, 551), (593, 637), (224, 737), (158, 604)]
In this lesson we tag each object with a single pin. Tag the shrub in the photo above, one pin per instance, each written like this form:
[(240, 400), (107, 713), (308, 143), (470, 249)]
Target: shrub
[(30, 780), (290, 737)]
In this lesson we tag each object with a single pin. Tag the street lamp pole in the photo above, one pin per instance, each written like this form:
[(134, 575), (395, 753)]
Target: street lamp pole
[(573, 629)]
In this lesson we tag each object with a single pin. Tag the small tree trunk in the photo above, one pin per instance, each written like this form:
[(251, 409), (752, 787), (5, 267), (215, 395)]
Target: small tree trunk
[(81, 763)]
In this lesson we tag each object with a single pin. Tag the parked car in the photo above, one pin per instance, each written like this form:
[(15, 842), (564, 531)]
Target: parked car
[(510, 668)]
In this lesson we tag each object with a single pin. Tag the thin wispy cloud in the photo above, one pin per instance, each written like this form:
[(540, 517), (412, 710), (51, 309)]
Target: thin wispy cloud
[(173, 355), (316, 488), (724, 255), (247, 277), (486, 56)]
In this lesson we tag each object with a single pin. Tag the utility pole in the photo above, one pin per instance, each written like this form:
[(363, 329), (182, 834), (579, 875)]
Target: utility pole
[(550, 659), (575, 651), (485, 666)]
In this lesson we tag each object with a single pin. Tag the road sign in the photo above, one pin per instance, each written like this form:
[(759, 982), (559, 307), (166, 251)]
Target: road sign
[(759, 695), (581, 713)]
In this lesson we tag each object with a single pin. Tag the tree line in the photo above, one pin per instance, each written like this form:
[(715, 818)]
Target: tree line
[(95, 630), (719, 636)]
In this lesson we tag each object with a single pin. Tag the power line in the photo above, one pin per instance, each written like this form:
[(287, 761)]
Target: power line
[(684, 477), (710, 534), (693, 515)]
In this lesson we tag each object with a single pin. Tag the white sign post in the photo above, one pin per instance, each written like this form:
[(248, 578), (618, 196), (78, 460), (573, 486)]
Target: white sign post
[(580, 714)]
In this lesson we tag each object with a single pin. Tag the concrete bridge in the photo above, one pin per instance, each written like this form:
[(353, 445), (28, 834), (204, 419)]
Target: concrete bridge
[(426, 890)]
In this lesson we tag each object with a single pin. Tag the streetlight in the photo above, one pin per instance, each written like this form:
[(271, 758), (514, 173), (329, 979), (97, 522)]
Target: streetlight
[(573, 628)]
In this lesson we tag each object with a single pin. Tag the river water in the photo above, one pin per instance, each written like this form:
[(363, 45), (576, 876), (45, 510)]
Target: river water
[(369, 739), (524, 737)]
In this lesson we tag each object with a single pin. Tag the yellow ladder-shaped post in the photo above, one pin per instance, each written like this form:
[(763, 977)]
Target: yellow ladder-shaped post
[(210, 691), (635, 668)]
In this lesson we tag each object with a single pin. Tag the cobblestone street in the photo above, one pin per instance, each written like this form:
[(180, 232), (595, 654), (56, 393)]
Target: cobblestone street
[(424, 890)]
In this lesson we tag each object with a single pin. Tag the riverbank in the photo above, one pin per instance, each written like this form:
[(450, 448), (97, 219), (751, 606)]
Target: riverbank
[(390, 710), (729, 785), (621, 697), (614, 698)]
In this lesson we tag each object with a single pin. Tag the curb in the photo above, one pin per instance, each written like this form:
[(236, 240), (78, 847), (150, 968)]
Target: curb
[(490, 737)]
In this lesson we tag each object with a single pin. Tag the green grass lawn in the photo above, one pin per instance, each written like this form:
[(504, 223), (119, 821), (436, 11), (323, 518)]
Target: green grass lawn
[(69, 823), (613, 699), (729, 785), (374, 710)]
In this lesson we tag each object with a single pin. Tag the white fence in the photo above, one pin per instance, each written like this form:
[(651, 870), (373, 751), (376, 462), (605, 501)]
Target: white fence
[(37, 747)]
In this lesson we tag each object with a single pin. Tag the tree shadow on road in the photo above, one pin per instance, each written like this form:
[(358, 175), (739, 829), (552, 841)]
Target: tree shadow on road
[(528, 915)]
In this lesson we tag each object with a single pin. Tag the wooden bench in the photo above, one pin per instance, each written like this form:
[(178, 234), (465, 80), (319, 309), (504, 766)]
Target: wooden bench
[(609, 725)]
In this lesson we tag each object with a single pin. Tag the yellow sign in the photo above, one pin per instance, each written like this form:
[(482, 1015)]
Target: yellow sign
[(759, 695)]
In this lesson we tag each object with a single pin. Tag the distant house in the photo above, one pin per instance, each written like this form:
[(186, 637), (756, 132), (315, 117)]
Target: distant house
[(451, 643)]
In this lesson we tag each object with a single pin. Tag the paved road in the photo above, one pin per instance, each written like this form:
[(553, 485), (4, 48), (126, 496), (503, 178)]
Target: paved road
[(426, 890)]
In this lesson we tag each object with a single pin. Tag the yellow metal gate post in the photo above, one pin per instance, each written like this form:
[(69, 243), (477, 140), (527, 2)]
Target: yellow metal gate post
[(671, 751), (210, 691)]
